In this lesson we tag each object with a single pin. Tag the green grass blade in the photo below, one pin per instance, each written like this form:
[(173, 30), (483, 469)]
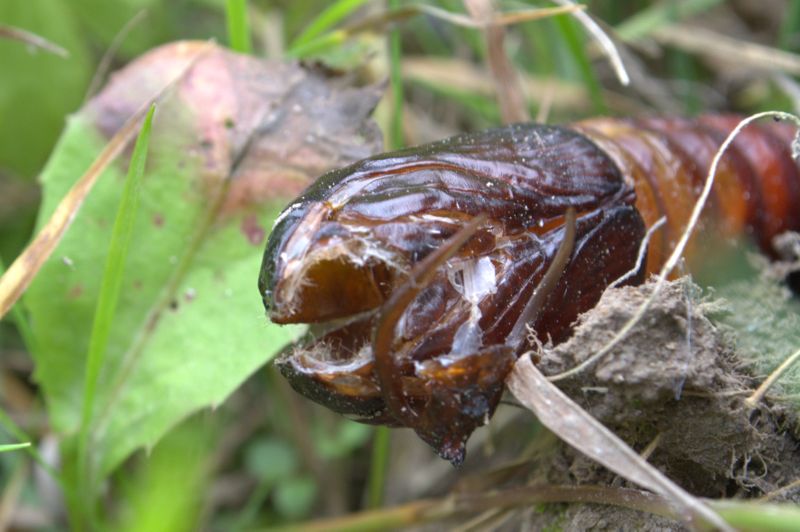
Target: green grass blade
[(379, 465), (13, 446), (326, 20), (238, 26), (539, 58), (660, 14), (110, 290), (787, 35), (319, 44), (481, 108), (380, 446), (12, 428), (683, 69), (396, 76), (745, 515), (574, 43)]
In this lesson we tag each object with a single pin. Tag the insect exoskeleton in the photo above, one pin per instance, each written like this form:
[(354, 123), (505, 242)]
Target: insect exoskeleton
[(354, 238)]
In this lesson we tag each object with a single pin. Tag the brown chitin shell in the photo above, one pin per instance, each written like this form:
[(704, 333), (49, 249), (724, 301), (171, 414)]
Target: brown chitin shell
[(353, 240), (350, 240)]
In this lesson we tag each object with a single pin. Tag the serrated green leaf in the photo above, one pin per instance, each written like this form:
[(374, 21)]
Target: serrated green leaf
[(190, 324)]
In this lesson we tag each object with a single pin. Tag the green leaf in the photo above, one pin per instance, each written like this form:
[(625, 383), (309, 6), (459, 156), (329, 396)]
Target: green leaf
[(396, 137), (190, 324), (166, 492), (757, 516), (574, 43), (325, 44), (764, 321), (379, 465)]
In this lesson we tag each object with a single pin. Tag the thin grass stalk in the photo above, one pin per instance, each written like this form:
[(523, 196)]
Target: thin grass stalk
[(326, 20), (4, 448), (238, 26), (380, 446), (379, 465), (105, 310)]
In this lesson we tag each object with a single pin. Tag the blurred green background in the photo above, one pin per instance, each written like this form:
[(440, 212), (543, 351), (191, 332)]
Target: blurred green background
[(266, 456)]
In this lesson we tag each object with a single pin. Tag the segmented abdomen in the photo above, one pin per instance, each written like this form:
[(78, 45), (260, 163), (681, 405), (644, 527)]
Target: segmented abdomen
[(756, 188)]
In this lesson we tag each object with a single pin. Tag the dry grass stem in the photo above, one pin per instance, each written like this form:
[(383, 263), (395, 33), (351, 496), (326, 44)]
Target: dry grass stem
[(755, 398), (464, 76), (545, 104), (379, 21), (510, 96), (431, 510), (556, 411), (794, 485), (651, 447), (498, 19)]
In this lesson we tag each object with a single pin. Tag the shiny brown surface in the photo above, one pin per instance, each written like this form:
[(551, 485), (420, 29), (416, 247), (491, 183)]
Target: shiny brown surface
[(756, 188), (344, 251)]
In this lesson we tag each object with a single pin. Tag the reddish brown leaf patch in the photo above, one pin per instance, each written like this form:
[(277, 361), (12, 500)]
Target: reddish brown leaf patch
[(269, 127)]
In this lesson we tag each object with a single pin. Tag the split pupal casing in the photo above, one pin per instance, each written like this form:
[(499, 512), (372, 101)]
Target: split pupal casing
[(339, 250)]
